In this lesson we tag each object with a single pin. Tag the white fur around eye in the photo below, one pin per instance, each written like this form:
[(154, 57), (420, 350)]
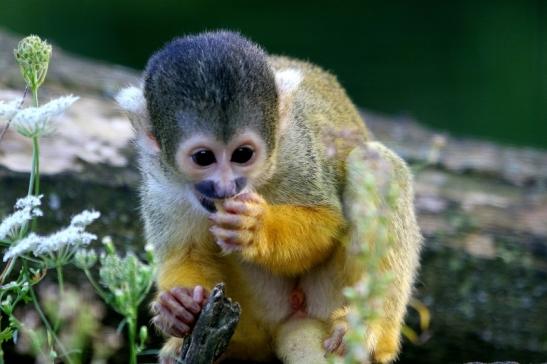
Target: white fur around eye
[(288, 80)]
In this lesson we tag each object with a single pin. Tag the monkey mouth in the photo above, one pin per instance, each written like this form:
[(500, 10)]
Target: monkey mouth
[(207, 203)]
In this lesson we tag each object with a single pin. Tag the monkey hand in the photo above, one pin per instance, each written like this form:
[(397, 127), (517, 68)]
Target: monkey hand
[(176, 310), (236, 222), (335, 342)]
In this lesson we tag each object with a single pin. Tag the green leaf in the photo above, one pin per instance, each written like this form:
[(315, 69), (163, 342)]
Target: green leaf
[(6, 334)]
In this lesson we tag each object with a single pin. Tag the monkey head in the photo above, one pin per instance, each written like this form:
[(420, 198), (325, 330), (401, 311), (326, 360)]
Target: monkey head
[(212, 110)]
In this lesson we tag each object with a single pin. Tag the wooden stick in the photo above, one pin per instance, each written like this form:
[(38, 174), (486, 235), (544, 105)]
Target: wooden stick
[(213, 330)]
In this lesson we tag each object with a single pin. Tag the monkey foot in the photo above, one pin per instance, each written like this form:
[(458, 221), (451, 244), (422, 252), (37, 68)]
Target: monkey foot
[(335, 342)]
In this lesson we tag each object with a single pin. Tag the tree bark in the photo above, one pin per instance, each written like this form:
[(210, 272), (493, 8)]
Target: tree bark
[(213, 330)]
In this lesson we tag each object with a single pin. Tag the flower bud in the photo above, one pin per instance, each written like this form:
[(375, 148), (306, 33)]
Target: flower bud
[(109, 245), (149, 250), (33, 55), (85, 259), (143, 335)]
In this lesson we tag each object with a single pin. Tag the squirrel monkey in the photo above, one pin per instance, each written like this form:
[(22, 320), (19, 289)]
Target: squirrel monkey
[(239, 187)]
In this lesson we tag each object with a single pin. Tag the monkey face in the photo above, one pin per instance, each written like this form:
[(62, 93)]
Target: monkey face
[(220, 170), (214, 83)]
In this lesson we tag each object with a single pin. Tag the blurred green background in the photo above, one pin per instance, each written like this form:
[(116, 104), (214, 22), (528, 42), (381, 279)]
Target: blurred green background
[(471, 67)]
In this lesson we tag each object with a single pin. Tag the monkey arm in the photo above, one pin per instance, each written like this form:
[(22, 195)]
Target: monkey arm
[(291, 239), (188, 267)]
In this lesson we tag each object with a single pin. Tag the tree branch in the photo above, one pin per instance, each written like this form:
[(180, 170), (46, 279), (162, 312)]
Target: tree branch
[(213, 330)]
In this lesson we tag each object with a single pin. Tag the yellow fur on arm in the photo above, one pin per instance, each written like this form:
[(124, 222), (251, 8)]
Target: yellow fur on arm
[(292, 239), (188, 267)]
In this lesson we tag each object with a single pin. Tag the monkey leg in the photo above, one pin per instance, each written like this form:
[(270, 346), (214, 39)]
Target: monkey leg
[(383, 336), (199, 266), (170, 351), (300, 341), (402, 261)]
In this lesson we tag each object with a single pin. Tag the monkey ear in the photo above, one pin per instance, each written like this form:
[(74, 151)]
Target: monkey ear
[(287, 82), (132, 100)]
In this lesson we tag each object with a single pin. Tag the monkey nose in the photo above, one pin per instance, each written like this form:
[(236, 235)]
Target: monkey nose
[(231, 188), (219, 190)]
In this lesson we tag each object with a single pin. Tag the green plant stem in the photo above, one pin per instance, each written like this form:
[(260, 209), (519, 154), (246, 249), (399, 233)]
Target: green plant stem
[(31, 181), (32, 336), (35, 96), (6, 272), (60, 281), (34, 181), (132, 321), (48, 325), (98, 289), (1, 343), (36, 173), (36, 163), (132, 328)]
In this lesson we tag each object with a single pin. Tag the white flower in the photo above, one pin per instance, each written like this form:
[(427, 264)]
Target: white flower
[(36, 121), (26, 209), (8, 110), (29, 201), (85, 218), (73, 236), (28, 244), (10, 285)]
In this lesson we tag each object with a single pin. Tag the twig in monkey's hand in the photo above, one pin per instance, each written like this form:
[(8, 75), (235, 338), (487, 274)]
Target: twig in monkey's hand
[(213, 330)]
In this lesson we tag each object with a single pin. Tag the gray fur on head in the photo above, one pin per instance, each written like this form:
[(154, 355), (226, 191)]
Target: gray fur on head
[(216, 82)]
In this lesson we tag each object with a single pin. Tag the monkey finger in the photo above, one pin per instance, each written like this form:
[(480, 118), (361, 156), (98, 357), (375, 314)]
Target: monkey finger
[(226, 247), (341, 351), (250, 197), (200, 294), (241, 208), (177, 300), (162, 326), (177, 310), (231, 220), (237, 237), (180, 290), (184, 297), (334, 344), (330, 345), (225, 234), (154, 308), (169, 324)]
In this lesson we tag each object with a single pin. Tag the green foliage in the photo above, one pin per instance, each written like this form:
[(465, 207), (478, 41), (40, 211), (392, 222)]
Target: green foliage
[(124, 282), (372, 185)]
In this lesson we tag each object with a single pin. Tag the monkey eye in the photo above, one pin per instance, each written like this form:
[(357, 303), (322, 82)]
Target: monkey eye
[(204, 157), (242, 155)]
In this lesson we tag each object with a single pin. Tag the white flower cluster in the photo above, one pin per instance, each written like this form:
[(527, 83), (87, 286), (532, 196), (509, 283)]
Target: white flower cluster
[(8, 110), (26, 209), (73, 236), (35, 121)]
